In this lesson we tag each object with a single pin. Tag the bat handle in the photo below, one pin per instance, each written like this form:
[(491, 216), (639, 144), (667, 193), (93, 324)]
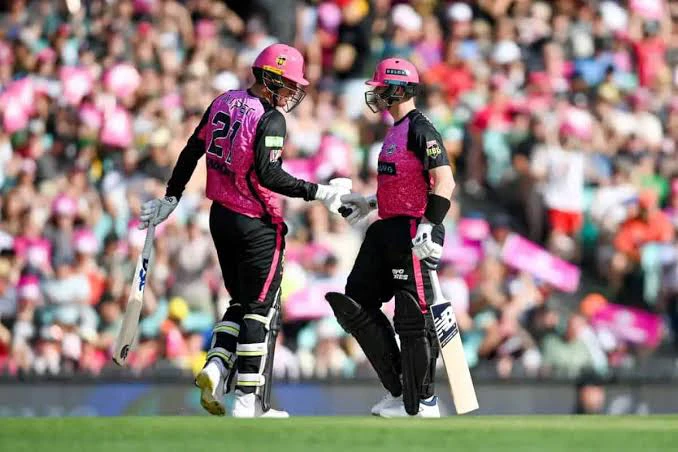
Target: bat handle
[(148, 242), (435, 284)]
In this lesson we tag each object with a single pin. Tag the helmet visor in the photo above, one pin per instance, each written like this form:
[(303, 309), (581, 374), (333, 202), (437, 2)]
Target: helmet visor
[(285, 93)]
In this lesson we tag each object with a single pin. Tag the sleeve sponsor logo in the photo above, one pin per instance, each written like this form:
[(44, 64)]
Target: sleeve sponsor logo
[(274, 155), (433, 149), (274, 142)]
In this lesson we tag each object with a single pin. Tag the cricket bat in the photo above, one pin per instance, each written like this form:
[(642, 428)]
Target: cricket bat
[(447, 331), (130, 321)]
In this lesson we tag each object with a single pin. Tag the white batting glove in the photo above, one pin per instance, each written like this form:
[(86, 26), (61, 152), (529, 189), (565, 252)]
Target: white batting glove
[(330, 195), (357, 207), (156, 211), (423, 246)]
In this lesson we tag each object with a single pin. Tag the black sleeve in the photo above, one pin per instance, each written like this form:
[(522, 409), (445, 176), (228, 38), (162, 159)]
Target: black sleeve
[(268, 145), (188, 159), (426, 142)]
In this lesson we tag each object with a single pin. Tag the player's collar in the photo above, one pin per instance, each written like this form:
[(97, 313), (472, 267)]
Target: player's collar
[(408, 115)]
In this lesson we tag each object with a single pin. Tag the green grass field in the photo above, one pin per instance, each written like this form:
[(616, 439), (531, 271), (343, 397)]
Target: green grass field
[(463, 434)]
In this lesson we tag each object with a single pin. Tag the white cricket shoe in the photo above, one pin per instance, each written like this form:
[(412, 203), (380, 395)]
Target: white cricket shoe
[(210, 380), (387, 401), (427, 408), (249, 406)]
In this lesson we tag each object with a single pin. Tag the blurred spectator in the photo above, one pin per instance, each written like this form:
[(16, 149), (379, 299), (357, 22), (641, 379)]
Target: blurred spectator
[(560, 166), (590, 393), (645, 224)]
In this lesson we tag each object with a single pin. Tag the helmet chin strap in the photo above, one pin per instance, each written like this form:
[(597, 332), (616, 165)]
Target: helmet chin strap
[(271, 93), (274, 98)]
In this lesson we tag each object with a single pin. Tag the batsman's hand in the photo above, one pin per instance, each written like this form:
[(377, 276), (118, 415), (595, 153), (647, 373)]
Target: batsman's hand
[(423, 246), (330, 195), (156, 211), (357, 206)]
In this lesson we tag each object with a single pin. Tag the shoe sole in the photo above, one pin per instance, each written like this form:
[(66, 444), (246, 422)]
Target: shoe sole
[(207, 400), (420, 415), (275, 416)]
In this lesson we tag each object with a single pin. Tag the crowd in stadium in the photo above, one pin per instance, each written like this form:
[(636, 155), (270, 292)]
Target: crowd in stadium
[(562, 116)]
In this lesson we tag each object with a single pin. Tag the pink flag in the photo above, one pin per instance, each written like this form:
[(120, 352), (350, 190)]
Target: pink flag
[(577, 122), (300, 168), (117, 129), (309, 303), (334, 157), (6, 54), (629, 324), (171, 101), (14, 115), (464, 255), (24, 90), (122, 80), (18, 103), (90, 116), (37, 251), (205, 29), (475, 229), (77, 83), (526, 256), (648, 9)]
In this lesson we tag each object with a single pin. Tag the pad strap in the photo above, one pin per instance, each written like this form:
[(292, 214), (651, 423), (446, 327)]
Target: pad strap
[(227, 357), (258, 349), (227, 327), (250, 380), (259, 318)]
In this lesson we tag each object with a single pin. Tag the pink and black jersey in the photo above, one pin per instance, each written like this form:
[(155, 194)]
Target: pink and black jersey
[(242, 137), (411, 148)]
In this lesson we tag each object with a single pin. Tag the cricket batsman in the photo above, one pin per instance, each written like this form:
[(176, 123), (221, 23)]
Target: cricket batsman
[(415, 184), (242, 134)]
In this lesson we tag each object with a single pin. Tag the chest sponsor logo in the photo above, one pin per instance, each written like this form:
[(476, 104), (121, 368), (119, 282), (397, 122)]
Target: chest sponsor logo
[(215, 164), (399, 274), (387, 168), (433, 149), (391, 149)]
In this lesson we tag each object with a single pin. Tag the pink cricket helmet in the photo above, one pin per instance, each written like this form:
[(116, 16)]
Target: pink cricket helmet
[(392, 70), (282, 60), (398, 76)]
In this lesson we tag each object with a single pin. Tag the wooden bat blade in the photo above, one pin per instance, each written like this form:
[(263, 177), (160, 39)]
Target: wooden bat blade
[(130, 321), (128, 331), (452, 351)]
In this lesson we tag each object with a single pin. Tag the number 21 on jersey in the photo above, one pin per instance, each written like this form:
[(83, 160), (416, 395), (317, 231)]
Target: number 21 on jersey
[(222, 136)]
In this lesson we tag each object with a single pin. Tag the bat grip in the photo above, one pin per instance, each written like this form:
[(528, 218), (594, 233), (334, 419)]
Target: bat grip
[(148, 242), (435, 284), (345, 211)]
